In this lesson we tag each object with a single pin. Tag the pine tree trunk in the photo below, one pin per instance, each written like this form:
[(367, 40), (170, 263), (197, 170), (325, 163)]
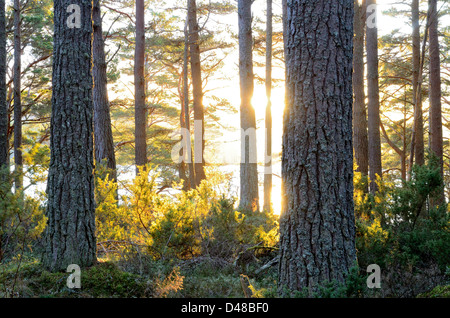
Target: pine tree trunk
[(182, 165), (103, 137), (418, 153), (3, 107), (70, 232), (373, 107), (196, 72), (436, 143), (360, 138), (139, 83), (185, 114), (249, 196), (317, 225), (18, 161), (268, 144)]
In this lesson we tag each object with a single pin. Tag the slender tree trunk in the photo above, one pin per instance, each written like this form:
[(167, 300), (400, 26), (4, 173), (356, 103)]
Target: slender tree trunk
[(373, 106), (139, 84), (70, 232), (249, 196), (103, 137), (196, 72), (18, 161), (436, 144), (360, 138), (185, 114), (4, 158), (182, 165), (268, 152), (417, 152), (317, 226), (285, 30)]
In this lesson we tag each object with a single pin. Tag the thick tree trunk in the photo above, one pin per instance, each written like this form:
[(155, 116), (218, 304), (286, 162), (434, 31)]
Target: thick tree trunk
[(317, 226), (360, 138), (18, 161), (103, 137), (196, 72), (139, 84), (70, 232), (373, 107), (436, 145), (268, 144), (249, 196), (3, 107)]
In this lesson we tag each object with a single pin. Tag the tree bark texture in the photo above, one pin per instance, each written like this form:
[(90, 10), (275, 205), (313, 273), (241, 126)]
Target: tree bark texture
[(70, 232), (317, 225), (4, 122), (139, 83), (435, 84), (249, 196), (18, 158), (103, 137)]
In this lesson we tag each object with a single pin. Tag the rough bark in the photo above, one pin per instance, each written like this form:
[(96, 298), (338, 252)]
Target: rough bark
[(360, 138), (268, 120), (373, 106), (249, 196), (197, 90), (3, 107), (18, 158), (317, 225), (139, 84), (103, 137), (70, 232)]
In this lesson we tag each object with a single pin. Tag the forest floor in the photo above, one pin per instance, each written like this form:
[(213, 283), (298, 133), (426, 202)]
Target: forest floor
[(196, 278)]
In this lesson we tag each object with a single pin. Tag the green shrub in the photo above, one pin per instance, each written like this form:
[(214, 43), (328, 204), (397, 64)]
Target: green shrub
[(403, 233)]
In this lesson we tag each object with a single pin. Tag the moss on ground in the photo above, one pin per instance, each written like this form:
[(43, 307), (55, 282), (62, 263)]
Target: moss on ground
[(103, 280), (437, 292)]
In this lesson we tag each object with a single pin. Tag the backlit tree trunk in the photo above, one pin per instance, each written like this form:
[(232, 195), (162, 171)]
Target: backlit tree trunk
[(70, 232), (436, 145), (373, 91), (268, 144), (317, 225), (185, 113), (196, 72), (249, 197), (418, 152)]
